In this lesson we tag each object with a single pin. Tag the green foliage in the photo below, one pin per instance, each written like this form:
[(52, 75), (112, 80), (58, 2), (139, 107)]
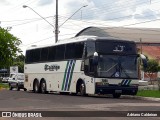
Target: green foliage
[(19, 61), (153, 66), (2, 85), (8, 48)]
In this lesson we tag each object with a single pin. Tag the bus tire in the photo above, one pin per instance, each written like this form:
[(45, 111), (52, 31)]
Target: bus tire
[(25, 89), (82, 89), (64, 93), (10, 87), (17, 87), (36, 87), (116, 95), (73, 94), (43, 87)]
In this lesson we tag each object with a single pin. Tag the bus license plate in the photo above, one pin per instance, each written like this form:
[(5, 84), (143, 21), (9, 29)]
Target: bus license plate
[(118, 91)]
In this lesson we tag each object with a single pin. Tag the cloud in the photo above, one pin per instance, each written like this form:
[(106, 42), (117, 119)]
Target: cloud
[(146, 14), (4, 2), (98, 12), (108, 10), (44, 2)]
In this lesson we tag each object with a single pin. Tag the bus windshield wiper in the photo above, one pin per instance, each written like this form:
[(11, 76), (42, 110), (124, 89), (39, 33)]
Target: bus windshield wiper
[(112, 67)]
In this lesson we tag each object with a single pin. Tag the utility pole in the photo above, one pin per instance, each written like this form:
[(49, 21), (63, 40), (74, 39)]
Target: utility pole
[(56, 23), (73, 15)]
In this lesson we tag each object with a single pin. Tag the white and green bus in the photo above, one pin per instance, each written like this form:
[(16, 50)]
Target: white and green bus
[(84, 65)]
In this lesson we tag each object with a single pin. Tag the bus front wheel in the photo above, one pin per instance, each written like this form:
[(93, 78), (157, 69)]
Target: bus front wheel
[(82, 89)]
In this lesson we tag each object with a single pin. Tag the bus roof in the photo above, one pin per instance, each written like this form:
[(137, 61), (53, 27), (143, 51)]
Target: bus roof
[(77, 39)]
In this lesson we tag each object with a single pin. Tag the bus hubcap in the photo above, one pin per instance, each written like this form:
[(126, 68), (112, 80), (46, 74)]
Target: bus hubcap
[(43, 87), (82, 88)]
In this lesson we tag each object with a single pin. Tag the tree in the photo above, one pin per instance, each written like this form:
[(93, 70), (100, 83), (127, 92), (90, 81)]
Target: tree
[(152, 67), (8, 48), (19, 61)]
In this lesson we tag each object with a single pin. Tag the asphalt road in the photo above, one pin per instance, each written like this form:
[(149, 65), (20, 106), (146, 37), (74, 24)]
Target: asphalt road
[(28, 101)]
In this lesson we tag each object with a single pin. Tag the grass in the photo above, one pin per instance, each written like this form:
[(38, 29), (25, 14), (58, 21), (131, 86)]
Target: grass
[(149, 93), (2, 85)]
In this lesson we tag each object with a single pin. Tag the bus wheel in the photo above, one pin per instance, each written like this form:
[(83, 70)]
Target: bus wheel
[(43, 87), (10, 87), (17, 87), (82, 89), (116, 95), (73, 94), (25, 89), (64, 93), (36, 87)]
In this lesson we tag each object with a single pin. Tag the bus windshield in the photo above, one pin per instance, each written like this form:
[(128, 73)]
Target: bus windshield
[(114, 66)]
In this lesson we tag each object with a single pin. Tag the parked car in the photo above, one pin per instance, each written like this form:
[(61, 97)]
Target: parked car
[(5, 79), (16, 80)]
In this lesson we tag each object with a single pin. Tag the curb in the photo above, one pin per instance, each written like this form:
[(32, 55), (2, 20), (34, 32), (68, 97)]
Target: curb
[(141, 98)]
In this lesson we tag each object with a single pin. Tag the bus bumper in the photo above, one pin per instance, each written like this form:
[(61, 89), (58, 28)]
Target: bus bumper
[(124, 90)]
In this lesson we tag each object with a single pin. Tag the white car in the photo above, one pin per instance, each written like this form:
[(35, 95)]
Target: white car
[(5, 79), (16, 80)]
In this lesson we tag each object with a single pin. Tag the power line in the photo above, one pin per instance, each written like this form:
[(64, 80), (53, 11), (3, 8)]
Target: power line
[(124, 25), (20, 5), (45, 39), (105, 10), (14, 25), (26, 19), (66, 17), (37, 41)]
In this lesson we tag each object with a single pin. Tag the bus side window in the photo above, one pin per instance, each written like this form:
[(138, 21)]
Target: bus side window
[(91, 66), (44, 54), (51, 54), (60, 50), (86, 66), (28, 58), (90, 48), (79, 47), (70, 51), (82, 66), (35, 56)]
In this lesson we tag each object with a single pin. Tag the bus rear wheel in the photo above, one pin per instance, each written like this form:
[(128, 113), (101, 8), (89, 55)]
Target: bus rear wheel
[(43, 87), (10, 87), (17, 87)]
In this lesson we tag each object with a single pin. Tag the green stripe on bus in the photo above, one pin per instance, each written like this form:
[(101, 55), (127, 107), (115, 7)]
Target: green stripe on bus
[(71, 76), (129, 82), (65, 75)]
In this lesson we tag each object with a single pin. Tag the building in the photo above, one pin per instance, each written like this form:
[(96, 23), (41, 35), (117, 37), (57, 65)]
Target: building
[(147, 39)]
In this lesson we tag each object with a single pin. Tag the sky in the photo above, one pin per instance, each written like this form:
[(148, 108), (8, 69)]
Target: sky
[(31, 29)]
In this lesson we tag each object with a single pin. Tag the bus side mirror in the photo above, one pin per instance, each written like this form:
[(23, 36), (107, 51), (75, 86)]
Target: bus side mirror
[(95, 58), (144, 61)]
